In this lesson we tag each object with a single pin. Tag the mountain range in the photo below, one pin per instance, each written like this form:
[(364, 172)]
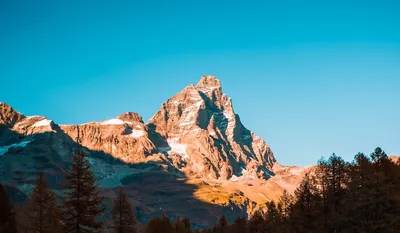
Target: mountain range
[(193, 158)]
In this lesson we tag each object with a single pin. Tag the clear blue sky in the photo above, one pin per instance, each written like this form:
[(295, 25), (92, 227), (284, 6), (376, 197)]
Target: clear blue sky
[(310, 77)]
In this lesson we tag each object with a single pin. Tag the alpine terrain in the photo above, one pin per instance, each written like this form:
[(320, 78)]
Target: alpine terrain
[(193, 158)]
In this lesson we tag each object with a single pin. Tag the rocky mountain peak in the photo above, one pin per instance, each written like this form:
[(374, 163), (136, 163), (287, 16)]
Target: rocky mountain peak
[(208, 81), (211, 87), (131, 117), (199, 126), (8, 116)]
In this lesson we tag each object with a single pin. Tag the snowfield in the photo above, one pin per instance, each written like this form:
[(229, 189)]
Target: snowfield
[(4, 149)]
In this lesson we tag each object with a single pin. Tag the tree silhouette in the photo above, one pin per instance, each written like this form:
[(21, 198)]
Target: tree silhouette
[(306, 210), (332, 178), (123, 217), (42, 210), (257, 223), (160, 225), (7, 214), (82, 202), (239, 226)]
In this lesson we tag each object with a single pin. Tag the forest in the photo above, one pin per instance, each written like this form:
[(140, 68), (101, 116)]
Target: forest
[(361, 196)]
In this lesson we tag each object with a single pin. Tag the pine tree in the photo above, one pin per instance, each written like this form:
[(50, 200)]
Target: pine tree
[(82, 202), (123, 216), (358, 200), (272, 218), (223, 224), (179, 226), (333, 180), (239, 226), (385, 201), (285, 209), (160, 225), (187, 226), (42, 210), (7, 214), (257, 223), (286, 204), (307, 208)]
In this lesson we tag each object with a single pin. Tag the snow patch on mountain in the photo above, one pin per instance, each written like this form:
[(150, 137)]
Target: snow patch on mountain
[(136, 133), (190, 113), (296, 171), (44, 122), (230, 116), (246, 175), (114, 121), (4, 149), (246, 137), (178, 148)]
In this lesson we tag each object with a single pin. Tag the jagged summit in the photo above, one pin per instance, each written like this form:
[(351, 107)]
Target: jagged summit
[(209, 81), (211, 87), (200, 125), (131, 117), (9, 116)]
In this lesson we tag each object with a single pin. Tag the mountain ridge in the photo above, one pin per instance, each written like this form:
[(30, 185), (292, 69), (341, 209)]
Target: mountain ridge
[(198, 126), (196, 136)]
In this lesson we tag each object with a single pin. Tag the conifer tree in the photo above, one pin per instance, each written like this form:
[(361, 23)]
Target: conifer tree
[(82, 202), (285, 209), (123, 217), (273, 219), (160, 225), (239, 226), (385, 201), (257, 223), (187, 226), (306, 210), (7, 214), (223, 224), (358, 199), (333, 180), (285, 204), (179, 226), (42, 211)]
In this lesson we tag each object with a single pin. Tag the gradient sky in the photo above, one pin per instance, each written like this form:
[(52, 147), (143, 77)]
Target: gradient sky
[(310, 77)]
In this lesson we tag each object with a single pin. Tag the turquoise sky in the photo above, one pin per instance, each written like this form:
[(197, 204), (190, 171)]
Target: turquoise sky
[(310, 77)]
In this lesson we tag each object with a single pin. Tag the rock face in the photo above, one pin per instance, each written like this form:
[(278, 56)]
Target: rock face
[(8, 116), (125, 137), (200, 125), (395, 158)]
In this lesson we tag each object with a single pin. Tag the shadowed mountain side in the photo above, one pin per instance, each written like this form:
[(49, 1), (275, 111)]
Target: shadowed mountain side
[(154, 187), (162, 192)]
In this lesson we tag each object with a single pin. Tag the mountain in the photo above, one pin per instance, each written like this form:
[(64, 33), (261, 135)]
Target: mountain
[(200, 126), (193, 158), (395, 158)]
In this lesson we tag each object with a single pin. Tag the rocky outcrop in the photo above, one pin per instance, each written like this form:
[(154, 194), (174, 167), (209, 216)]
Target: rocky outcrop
[(125, 137), (8, 116), (395, 158)]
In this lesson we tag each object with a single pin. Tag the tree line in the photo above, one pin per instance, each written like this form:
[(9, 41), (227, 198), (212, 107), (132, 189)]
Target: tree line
[(358, 197), (337, 196)]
